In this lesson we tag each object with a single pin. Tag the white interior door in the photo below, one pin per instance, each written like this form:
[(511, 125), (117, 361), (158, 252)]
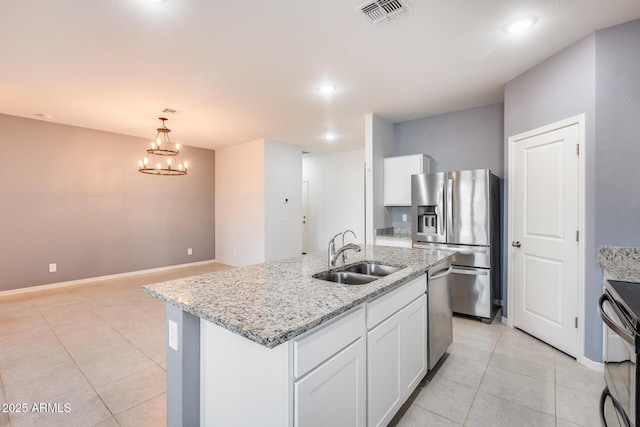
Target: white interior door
[(545, 232)]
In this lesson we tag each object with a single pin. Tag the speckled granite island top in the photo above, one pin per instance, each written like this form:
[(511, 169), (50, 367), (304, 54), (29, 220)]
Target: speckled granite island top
[(274, 302), (622, 263)]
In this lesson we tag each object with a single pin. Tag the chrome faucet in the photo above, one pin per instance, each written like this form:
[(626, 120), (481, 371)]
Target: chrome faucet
[(344, 255), (333, 254)]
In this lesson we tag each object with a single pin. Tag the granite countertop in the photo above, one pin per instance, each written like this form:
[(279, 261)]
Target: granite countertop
[(622, 263), (274, 302), (398, 233)]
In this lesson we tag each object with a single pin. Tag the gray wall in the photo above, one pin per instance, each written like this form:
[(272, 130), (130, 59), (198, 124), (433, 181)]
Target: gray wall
[(378, 145), (597, 76), (561, 87), (468, 139), (73, 196), (617, 152)]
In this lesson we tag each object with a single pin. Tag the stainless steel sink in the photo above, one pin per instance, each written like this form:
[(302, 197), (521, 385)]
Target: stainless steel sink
[(373, 269), (345, 277), (359, 274)]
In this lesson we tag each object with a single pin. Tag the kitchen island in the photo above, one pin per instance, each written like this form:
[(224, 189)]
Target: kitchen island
[(241, 342)]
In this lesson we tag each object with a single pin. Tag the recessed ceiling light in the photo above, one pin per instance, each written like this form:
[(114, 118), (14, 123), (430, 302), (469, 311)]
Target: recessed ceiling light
[(326, 89), (330, 137), (520, 25)]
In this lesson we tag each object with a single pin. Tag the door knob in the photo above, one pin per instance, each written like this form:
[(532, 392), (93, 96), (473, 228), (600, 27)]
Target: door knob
[(516, 244)]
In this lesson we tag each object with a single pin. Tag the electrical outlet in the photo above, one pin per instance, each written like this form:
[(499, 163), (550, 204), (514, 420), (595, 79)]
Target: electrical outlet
[(53, 268), (189, 251), (173, 335), (404, 217)]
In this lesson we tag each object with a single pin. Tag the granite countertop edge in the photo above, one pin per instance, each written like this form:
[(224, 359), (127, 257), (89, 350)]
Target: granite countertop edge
[(394, 237), (623, 263), (271, 340)]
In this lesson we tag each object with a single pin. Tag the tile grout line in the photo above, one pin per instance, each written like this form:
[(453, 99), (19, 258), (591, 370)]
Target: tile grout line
[(519, 373), (127, 339), (475, 395), (113, 416), (555, 387), (69, 294), (4, 396), (74, 360)]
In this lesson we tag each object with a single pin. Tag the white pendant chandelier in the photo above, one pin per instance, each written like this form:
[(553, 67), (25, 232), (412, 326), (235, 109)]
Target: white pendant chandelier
[(162, 149)]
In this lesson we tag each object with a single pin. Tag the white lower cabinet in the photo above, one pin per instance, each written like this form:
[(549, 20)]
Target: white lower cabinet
[(355, 370), (396, 353), (413, 345), (330, 374), (383, 367), (334, 394)]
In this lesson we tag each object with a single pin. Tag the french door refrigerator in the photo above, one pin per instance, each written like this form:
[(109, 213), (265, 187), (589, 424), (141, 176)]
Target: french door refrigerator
[(460, 211)]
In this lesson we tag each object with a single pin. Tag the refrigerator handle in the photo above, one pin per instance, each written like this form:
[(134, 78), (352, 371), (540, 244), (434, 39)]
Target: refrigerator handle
[(448, 207)]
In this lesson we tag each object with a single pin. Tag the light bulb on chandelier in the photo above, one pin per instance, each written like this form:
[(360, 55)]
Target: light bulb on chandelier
[(162, 146)]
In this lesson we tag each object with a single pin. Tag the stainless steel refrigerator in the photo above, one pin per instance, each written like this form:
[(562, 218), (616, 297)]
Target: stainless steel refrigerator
[(460, 211)]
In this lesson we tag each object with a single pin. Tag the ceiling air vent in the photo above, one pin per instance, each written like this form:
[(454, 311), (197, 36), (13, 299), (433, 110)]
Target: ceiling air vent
[(379, 11)]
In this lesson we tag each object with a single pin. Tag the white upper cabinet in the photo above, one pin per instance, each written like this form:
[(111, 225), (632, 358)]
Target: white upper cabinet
[(397, 177)]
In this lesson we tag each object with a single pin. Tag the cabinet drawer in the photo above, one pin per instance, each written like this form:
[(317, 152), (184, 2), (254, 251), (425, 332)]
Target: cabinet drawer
[(312, 350), (387, 304)]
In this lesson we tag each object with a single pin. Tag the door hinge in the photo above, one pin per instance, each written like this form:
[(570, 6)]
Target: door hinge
[(577, 235), (577, 149), (576, 323)]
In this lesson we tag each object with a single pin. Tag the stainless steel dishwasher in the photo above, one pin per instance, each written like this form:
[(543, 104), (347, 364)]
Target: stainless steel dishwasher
[(440, 316)]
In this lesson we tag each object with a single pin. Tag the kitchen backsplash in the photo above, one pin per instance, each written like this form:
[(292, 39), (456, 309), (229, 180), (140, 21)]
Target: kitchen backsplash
[(396, 216)]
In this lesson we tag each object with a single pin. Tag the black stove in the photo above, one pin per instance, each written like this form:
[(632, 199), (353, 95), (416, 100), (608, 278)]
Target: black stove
[(619, 308), (627, 296)]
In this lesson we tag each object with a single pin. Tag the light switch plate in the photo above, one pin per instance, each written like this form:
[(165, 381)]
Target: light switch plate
[(173, 335), (53, 268), (404, 217), (190, 251)]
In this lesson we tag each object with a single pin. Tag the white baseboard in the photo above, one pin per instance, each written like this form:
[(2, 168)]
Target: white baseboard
[(583, 360), (588, 363), (19, 291)]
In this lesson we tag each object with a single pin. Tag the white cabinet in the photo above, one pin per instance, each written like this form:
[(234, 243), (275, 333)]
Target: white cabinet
[(315, 379), (330, 365), (355, 370), (334, 394), (413, 345), (383, 366), (396, 349), (397, 177)]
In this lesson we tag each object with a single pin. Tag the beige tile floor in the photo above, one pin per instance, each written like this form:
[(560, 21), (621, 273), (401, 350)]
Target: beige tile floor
[(100, 348), (494, 375)]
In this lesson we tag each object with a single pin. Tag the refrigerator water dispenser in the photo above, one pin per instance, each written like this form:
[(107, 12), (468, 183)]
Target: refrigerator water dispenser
[(427, 220)]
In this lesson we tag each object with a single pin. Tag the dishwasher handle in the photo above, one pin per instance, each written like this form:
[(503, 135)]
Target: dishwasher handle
[(474, 272), (442, 274)]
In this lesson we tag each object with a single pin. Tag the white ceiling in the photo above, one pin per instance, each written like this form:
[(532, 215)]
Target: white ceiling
[(240, 70)]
